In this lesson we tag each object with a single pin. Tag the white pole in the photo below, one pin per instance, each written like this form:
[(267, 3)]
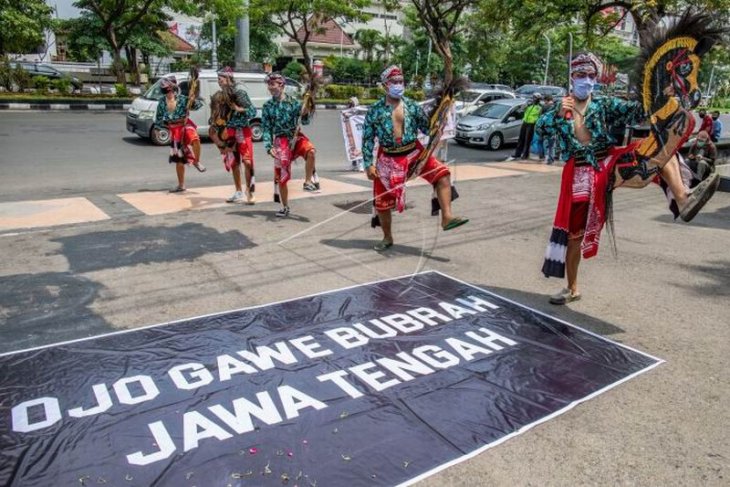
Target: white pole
[(214, 53), (547, 61), (570, 58)]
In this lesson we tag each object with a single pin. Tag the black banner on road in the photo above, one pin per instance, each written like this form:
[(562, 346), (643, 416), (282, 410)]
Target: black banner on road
[(379, 384)]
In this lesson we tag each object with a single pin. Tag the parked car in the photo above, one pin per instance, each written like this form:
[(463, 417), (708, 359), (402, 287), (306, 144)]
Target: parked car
[(469, 100), (40, 69), (526, 91), (490, 86), (493, 124), (141, 114)]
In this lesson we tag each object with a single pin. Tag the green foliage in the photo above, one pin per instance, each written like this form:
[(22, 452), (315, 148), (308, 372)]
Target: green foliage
[(121, 90), (22, 24), (41, 83), (294, 70), (84, 37), (63, 85), (348, 70), (261, 40), (290, 16), (369, 40), (6, 73), (22, 78), (343, 92)]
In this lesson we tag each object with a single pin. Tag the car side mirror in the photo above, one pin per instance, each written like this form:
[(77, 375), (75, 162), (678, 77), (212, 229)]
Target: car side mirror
[(511, 118)]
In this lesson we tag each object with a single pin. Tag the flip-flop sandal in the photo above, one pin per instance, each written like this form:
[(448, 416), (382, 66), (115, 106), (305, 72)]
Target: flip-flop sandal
[(382, 245), (177, 190), (455, 222)]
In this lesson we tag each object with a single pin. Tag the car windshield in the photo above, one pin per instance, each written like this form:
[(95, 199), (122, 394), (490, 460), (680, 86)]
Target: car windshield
[(551, 91), (468, 96), (527, 90), (491, 110), (154, 93)]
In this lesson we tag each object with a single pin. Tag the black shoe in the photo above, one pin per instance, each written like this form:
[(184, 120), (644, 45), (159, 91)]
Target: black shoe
[(283, 212)]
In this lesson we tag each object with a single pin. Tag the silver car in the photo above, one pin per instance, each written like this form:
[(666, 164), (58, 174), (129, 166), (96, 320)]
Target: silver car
[(493, 124)]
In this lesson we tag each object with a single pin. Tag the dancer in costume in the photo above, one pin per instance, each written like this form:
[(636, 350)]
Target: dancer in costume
[(172, 113), (596, 166), (283, 141), (231, 116), (395, 122)]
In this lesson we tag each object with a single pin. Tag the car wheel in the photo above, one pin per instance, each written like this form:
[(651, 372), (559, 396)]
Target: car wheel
[(495, 141), (257, 133), (160, 136)]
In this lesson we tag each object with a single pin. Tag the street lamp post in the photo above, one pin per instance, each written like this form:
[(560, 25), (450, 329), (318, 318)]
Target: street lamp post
[(547, 61), (214, 51)]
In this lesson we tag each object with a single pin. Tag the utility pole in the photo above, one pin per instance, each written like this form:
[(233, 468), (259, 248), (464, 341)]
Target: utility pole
[(214, 50), (547, 61), (242, 41)]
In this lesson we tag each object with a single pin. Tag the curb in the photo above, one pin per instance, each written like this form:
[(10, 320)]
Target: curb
[(102, 106)]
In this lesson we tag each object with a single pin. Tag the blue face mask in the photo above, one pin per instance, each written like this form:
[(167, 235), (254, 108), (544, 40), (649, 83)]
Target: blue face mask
[(583, 87), (396, 91)]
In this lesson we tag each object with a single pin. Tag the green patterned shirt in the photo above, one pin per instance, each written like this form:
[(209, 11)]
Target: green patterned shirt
[(279, 117), (379, 125), (242, 119), (602, 114), (163, 116)]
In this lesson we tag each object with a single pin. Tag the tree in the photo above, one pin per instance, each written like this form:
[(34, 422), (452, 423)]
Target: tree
[(300, 19), (261, 39), (22, 24), (119, 20), (443, 22), (124, 20), (369, 40)]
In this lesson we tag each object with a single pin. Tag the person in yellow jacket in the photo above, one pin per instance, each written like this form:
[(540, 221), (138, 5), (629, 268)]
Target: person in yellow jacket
[(532, 113)]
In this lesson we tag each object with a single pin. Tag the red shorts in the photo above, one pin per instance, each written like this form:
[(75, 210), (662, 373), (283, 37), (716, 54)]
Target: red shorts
[(578, 219), (432, 171), (282, 169), (183, 136), (244, 145)]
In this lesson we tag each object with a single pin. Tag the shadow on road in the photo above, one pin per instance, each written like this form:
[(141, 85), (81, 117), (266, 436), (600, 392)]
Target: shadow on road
[(396, 250), (717, 272), (270, 215), (719, 219), (50, 307), (138, 141), (146, 245), (565, 313)]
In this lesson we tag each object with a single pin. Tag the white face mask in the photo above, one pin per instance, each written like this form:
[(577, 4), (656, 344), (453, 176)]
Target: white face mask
[(583, 87)]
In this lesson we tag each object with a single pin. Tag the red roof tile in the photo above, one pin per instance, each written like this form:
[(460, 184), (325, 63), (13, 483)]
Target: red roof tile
[(333, 34)]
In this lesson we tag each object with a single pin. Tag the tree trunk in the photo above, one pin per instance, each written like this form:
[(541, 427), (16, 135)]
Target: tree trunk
[(118, 65), (307, 61)]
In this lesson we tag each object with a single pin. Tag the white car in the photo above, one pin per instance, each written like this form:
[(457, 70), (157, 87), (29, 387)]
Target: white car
[(141, 114), (469, 100)]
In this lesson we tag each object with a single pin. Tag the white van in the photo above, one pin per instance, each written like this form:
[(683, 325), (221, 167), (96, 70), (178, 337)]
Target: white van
[(141, 114)]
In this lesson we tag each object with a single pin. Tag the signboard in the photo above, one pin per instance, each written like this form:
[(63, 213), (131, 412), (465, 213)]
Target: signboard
[(377, 384), (352, 120)]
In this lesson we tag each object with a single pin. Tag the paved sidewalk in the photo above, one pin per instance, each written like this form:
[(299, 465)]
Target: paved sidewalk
[(666, 293)]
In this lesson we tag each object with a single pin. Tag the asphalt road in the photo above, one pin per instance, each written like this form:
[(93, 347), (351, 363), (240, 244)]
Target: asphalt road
[(50, 154), (665, 293)]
